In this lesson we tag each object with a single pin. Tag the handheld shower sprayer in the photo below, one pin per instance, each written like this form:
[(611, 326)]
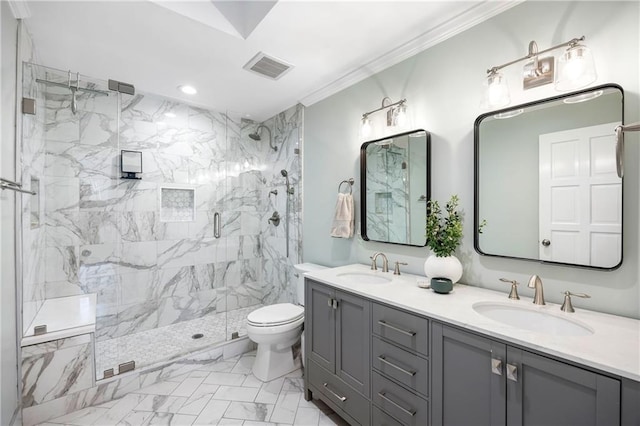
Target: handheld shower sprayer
[(284, 173)]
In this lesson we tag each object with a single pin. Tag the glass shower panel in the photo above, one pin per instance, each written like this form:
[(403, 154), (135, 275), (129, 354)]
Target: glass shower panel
[(148, 248), (68, 147)]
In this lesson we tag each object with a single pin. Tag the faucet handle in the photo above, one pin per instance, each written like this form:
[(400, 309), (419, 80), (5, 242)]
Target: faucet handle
[(513, 294), (373, 258), (567, 306), (396, 269)]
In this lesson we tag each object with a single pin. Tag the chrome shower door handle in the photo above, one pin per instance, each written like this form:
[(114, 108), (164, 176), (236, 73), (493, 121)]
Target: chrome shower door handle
[(216, 225)]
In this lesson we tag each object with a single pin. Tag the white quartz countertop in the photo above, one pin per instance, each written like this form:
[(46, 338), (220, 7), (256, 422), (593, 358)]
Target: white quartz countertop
[(64, 317), (614, 346)]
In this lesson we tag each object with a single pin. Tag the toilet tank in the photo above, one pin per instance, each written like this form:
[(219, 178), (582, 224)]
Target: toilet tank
[(301, 268)]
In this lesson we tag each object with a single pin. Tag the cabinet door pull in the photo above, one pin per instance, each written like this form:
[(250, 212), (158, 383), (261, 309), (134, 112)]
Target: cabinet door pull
[(397, 367), (512, 372), (400, 407), (399, 330), (330, 303), (341, 398), (496, 366), (334, 304)]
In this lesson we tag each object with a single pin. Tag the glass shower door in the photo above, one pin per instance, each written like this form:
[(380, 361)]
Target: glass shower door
[(69, 151)]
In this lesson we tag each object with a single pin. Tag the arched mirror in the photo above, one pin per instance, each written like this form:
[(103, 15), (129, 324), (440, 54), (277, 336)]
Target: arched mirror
[(394, 174), (546, 181)]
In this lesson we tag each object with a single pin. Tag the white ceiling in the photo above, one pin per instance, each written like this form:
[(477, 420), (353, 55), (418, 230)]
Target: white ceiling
[(158, 45)]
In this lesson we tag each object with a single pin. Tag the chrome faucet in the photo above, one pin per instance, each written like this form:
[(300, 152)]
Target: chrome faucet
[(385, 262), (536, 282)]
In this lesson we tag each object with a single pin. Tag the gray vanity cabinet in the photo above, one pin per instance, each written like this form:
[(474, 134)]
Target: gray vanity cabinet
[(400, 366), (482, 382), (337, 345)]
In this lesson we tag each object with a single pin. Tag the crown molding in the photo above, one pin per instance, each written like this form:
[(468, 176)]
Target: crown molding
[(471, 17), (20, 9)]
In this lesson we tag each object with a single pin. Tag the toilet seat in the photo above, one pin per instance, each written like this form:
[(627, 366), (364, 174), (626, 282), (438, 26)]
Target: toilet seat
[(276, 315)]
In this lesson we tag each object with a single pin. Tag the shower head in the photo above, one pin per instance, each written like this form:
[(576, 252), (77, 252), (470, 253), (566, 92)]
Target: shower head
[(284, 173), (256, 136)]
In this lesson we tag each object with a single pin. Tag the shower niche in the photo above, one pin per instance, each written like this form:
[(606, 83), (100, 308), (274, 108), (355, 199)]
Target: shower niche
[(177, 205)]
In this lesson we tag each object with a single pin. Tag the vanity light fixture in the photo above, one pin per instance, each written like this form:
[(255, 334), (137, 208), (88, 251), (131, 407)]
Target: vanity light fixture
[(396, 115), (576, 69)]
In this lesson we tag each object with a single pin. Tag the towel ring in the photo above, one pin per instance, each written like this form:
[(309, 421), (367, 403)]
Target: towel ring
[(350, 181)]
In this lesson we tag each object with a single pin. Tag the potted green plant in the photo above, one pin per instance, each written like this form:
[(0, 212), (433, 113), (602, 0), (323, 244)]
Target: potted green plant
[(444, 233)]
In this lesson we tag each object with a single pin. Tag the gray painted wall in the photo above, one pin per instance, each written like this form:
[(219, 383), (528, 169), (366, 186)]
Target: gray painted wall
[(8, 342), (443, 89)]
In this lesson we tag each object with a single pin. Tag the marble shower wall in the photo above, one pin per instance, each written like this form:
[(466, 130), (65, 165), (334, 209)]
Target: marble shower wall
[(105, 235), (387, 194), (277, 279)]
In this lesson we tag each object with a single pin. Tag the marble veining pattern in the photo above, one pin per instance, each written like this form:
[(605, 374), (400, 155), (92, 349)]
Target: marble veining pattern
[(225, 393), (105, 235), (53, 369)]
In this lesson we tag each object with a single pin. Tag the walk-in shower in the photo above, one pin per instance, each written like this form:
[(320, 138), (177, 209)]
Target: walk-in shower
[(256, 136), (145, 248)]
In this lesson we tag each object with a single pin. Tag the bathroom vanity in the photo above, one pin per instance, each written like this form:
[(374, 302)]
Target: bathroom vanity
[(382, 351)]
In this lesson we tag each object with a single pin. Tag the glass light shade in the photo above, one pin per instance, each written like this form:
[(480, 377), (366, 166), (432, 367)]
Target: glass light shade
[(496, 92), (365, 130), (576, 69), (401, 116)]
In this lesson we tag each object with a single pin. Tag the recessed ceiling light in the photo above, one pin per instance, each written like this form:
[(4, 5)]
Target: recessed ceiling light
[(187, 90), (170, 115)]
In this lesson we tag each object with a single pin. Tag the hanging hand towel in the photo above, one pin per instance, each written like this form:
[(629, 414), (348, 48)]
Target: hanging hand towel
[(344, 220)]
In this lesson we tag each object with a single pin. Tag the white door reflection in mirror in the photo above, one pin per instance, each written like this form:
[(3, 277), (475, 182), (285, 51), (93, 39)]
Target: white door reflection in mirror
[(580, 197)]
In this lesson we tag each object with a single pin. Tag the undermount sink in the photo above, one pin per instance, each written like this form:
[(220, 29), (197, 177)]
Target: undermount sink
[(531, 319), (365, 277)]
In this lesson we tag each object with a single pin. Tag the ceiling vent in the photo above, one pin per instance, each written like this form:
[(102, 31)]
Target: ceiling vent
[(268, 66)]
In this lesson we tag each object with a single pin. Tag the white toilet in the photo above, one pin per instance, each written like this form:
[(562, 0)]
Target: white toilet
[(276, 328)]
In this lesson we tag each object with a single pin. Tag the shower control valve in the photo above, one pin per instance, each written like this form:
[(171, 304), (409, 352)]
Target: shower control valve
[(275, 218)]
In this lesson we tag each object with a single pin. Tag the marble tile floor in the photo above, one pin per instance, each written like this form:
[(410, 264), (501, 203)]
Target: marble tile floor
[(165, 343), (224, 393)]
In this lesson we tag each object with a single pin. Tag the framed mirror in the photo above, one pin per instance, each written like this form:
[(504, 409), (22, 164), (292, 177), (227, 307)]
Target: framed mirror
[(546, 183), (395, 187)]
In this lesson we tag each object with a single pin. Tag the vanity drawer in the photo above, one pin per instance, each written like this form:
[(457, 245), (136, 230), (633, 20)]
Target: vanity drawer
[(380, 418), (400, 403), (408, 330), (405, 367), (338, 392)]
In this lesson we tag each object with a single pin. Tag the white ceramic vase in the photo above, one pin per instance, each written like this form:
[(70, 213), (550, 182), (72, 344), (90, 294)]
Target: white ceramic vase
[(443, 267)]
